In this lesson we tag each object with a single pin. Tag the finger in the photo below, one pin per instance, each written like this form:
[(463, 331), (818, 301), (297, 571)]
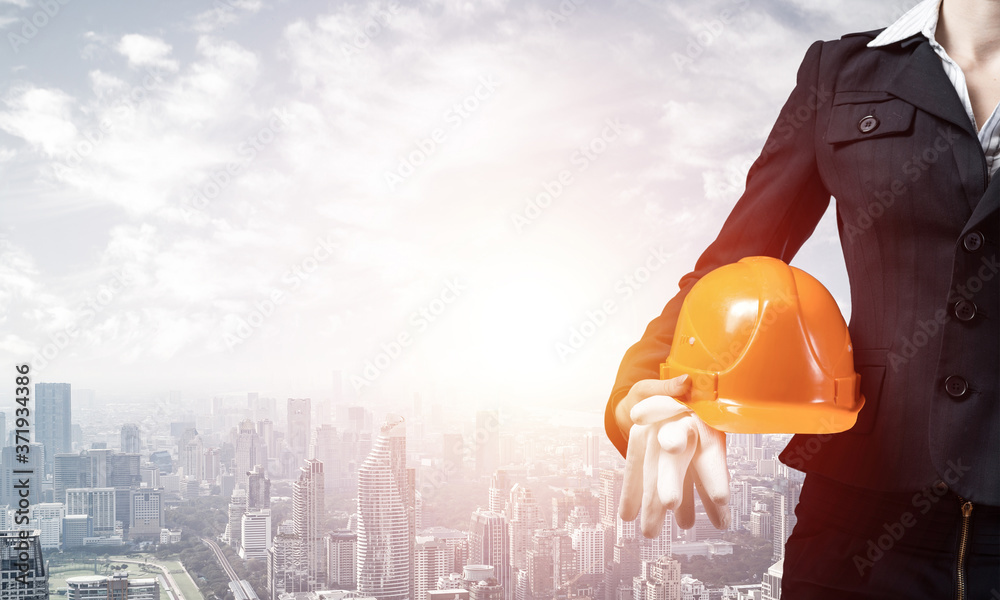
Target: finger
[(631, 499), (676, 387), (677, 441), (684, 514), (657, 408), (711, 475), (653, 511)]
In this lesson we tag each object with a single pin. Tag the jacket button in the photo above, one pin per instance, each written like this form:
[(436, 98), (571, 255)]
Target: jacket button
[(972, 241), (940, 487), (964, 310), (867, 124), (955, 386)]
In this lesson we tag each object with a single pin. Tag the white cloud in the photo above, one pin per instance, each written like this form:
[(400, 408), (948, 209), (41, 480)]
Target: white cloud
[(39, 116), (146, 51)]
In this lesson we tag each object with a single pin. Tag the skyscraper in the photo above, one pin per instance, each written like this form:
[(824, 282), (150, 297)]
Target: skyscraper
[(342, 559), (258, 489), (8, 478), (524, 519), (430, 563), (489, 544), (299, 430), (145, 513), (53, 420), (97, 503), (255, 538), (248, 451), (307, 515), (15, 551), (385, 517), (326, 449), (130, 440)]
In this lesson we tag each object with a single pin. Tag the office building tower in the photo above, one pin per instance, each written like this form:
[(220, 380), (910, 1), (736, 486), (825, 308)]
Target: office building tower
[(760, 523), (96, 503), (47, 518), (307, 514), (500, 485), (489, 544), (16, 476), (284, 574), (786, 496), (76, 528), (487, 442), (22, 557), (524, 518), (659, 580), (770, 587), (145, 513), (587, 541), (69, 471), (131, 442), (342, 559), (299, 426), (255, 536), (163, 461), (326, 449), (213, 464), (248, 452), (611, 492), (430, 563), (53, 420), (386, 527), (3, 430), (234, 527), (192, 457), (258, 489)]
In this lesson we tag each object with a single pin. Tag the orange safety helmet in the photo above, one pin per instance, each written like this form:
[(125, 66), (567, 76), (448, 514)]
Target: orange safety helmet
[(767, 351)]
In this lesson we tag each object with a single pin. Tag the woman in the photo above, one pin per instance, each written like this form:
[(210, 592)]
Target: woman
[(902, 127)]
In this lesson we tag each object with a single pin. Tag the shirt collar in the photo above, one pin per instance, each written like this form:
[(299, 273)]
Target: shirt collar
[(922, 18)]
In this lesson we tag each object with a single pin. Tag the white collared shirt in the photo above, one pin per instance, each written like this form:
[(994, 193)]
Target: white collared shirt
[(923, 18)]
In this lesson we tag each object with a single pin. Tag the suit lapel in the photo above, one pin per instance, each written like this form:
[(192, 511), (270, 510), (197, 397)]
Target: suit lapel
[(923, 83), (987, 207)]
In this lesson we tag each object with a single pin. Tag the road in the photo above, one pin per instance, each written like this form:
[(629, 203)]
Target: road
[(248, 592)]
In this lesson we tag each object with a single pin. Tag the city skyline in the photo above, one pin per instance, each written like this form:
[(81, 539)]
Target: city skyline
[(207, 199)]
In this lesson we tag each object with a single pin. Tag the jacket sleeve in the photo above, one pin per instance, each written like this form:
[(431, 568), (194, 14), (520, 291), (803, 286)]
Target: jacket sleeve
[(783, 201)]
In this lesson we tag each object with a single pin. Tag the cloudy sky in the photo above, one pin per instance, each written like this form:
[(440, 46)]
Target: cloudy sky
[(427, 196)]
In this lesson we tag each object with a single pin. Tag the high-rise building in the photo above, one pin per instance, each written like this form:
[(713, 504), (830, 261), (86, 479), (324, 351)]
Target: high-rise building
[(592, 451), (3, 430), (21, 557), (588, 546), (489, 544), (255, 538), (53, 420), (326, 449), (524, 519), (48, 517), (342, 559), (307, 514), (248, 451), (283, 571), (430, 563), (786, 496), (131, 442), (499, 491), (97, 503), (299, 425), (145, 513), (659, 580), (192, 457), (488, 589), (487, 442), (258, 489), (76, 528), (69, 471), (237, 507), (771, 582), (386, 526)]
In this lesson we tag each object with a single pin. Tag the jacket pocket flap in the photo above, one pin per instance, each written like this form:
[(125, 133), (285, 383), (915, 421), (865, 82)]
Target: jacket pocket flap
[(857, 116)]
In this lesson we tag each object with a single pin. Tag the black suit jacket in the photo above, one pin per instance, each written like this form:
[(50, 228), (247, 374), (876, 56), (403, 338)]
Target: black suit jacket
[(883, 131)]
